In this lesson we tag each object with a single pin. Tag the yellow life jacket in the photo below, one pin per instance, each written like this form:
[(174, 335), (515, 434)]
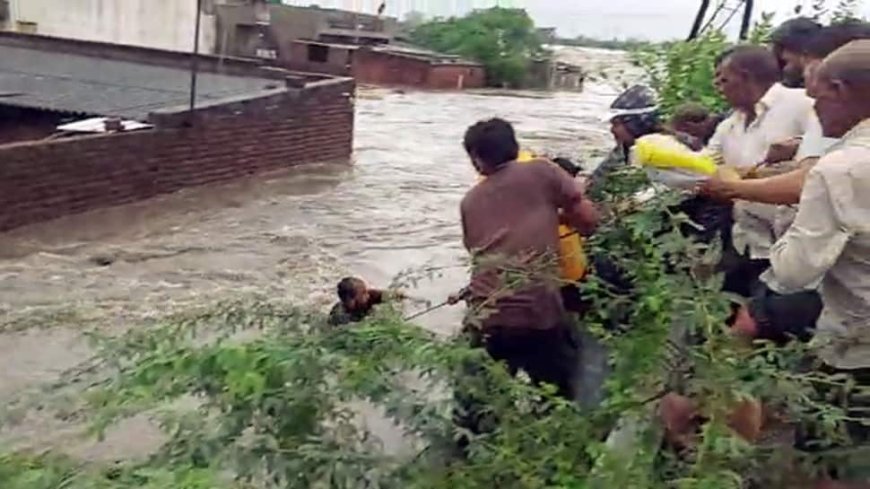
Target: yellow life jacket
[(572, 257)]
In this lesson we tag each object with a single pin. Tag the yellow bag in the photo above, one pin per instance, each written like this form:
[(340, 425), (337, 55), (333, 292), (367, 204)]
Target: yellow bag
[(664, 152), (572, 257)]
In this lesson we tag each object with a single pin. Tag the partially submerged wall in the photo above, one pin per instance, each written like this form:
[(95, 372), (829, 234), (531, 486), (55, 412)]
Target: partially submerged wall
[(396, 69), (287, 127)]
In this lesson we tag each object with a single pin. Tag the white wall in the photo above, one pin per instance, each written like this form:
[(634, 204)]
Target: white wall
[(163, 24)]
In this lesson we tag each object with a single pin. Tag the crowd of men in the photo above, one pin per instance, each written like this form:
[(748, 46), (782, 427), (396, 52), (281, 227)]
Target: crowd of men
[(797, 237)]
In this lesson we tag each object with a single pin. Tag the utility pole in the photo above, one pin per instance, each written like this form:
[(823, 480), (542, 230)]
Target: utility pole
[(194, 59), (699, 19), (747, 20)]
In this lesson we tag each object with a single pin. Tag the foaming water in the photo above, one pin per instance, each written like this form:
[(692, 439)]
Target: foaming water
[(291, 235), (294, 234)]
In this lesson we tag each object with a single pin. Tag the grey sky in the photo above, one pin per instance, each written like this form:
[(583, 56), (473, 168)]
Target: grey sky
[(648, 19)]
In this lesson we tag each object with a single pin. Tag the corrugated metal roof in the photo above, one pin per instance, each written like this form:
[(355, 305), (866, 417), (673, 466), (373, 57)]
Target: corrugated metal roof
[(89, 85)]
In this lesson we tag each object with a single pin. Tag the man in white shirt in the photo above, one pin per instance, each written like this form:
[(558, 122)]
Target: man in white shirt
[(765, 113), (830, 238), (771, 315), (785, 189)]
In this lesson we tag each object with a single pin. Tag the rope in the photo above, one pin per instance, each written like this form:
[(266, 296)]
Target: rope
[(427, 311)]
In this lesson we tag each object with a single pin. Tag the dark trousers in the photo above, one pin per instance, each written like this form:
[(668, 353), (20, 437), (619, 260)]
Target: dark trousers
[(782, 317), (572, 299), (548, 356), (741, 272), (712, 219)]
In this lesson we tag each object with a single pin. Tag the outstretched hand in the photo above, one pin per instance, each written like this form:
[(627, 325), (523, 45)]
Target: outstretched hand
[(717, 188), (783, 151), (458, 297)]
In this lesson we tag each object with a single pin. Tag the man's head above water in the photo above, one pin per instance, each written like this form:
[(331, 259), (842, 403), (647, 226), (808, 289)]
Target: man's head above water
[(790, 41), (353, 293), (745, 74), (491, 144), (841, 87)]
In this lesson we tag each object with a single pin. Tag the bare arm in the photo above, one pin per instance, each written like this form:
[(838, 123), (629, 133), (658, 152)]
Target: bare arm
[(578, 211), (784, 189), (779, 189), (583, 216)]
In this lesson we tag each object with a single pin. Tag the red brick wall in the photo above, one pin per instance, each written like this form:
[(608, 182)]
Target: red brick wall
[(449, 77), (380, 68), (377, 68), (44, 180)]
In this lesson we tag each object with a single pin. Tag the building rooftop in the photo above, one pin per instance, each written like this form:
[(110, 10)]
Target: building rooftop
[(402, 49), (72, 83)]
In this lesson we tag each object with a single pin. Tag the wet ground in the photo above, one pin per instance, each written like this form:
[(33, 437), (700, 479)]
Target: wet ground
[(290, 235)]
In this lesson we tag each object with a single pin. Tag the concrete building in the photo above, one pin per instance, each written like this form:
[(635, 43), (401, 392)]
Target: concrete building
[(387, 65), (86, 125), (548, 74), (313, 39), (160, 24), (242, 29), (547, 34)]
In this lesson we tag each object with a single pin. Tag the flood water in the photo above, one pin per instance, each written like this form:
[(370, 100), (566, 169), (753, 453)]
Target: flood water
[(289, 235)]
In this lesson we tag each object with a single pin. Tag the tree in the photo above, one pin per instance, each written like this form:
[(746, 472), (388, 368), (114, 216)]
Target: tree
[(503, 40)]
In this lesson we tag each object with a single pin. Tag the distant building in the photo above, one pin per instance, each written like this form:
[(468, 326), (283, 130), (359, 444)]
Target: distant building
[(86, 125), (547, 34), (388, 65), (240, 32), (567, 77), (339, 42), (302, 38), (547, 74)]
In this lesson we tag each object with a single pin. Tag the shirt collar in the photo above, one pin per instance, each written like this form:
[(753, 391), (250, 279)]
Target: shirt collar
[(769, 99), (859, 132)]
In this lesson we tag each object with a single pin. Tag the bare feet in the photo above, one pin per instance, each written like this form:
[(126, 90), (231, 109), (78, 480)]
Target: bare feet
[(680, 415)]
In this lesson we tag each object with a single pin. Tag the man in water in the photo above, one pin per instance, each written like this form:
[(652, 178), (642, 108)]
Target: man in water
[(509, 225), (356, 301)]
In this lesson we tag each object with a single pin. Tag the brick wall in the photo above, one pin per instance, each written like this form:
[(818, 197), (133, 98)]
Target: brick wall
[(447, 76), (379, 68), (385, 68), (280, 129)]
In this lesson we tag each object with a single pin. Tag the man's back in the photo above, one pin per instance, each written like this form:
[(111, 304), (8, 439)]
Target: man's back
[(510, 221)]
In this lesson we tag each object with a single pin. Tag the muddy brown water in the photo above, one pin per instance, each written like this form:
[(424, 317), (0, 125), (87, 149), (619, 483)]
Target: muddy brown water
[(289, 235)]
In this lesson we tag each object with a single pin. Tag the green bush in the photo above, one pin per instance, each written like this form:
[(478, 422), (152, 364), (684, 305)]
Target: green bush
[(274, 409), (503, 40), (683, 72)]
